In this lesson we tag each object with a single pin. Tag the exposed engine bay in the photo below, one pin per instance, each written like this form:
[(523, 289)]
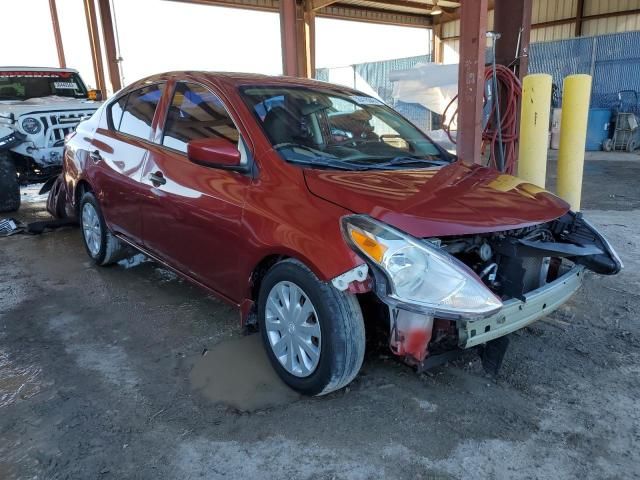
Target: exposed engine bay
[(532, 270), (515, 262)]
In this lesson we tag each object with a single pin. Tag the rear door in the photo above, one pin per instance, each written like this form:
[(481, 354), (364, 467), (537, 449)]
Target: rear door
[(120, 151), (192, 217)]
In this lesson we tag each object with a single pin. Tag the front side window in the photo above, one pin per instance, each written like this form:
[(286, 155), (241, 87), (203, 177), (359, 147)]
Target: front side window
[(196, 113), (332, 129), (139, 111), (23, 85)]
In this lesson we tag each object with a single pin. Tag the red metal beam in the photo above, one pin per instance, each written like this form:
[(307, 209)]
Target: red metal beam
[(297, 28), (56, 33), (113, 64), (94, 43), (473, 25), (509, 17), (579, 16), (288, 37)]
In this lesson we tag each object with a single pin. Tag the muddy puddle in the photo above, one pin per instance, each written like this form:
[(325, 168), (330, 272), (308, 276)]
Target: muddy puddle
[(17, 382), (237, 373)]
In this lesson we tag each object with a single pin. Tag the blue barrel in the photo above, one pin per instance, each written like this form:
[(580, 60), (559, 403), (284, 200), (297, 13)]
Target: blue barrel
[(597, 128)]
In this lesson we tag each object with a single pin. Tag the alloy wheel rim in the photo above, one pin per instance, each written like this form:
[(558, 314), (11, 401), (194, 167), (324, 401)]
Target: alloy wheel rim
[(91, 229), (293, 329)]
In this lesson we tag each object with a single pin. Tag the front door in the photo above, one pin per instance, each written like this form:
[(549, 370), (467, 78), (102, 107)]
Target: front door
[(192, 217)]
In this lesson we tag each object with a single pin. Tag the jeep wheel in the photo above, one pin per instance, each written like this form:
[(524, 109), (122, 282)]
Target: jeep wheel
[(313, 333), (101, 245), (9, 187)]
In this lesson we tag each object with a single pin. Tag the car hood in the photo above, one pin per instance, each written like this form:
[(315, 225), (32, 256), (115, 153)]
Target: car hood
[(45, 104), (457, 199)]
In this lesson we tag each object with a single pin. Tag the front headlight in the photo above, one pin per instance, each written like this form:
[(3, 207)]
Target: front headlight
[(31, 125), (420, 275)]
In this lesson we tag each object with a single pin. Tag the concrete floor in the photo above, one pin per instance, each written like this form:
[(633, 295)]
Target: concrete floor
[(128, 372)]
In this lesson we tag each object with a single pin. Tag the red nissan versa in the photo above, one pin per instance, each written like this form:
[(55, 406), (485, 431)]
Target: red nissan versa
[(306, 204)]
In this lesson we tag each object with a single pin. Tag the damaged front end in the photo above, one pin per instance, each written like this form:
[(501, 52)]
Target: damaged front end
[(448, 294)]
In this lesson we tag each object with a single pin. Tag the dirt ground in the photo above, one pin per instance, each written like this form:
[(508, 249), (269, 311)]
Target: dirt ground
[(128, 372)]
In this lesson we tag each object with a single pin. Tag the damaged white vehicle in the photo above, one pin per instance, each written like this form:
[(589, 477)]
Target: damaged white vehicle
[(38, 108)]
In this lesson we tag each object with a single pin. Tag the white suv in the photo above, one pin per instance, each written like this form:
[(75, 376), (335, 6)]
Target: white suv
[(38, 107)]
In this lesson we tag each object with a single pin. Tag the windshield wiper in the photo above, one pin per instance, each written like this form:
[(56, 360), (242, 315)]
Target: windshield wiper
[(408, 160), (320, 159), (299, 146), (328, 163)]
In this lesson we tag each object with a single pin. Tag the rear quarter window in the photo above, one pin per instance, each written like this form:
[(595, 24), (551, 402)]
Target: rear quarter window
[(115, 112)]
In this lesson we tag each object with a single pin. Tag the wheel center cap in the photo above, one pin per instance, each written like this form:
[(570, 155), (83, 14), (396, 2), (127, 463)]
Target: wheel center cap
[(292, 328)]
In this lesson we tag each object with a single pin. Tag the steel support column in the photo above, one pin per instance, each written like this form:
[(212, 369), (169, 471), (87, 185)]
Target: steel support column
[(297, 29), (473, 28), (94, 43), (511, 17), (113, 63), (56, 33), (436, 42)]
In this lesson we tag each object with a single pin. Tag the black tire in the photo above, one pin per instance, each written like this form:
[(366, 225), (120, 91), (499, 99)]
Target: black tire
[(9, 186), (111, 249), (631, 146), (341, 326)]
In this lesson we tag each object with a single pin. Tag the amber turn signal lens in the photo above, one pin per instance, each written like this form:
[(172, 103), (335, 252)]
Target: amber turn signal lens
[(369, 245)]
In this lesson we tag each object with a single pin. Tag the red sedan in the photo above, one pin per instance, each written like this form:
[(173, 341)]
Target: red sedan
[(306, 204)]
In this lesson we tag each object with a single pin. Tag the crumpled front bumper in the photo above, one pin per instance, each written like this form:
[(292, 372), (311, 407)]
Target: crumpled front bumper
[(517, 314)]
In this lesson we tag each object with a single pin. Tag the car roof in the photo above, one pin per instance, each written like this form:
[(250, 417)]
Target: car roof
[(238, 79), (36, 69)]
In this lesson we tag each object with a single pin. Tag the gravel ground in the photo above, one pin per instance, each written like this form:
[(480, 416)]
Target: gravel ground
[(129, 372)]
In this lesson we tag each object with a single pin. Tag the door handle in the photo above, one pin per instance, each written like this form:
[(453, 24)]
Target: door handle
[(157, 179), (95, 156)]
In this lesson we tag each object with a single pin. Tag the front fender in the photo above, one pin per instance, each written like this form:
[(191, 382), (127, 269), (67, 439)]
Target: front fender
[(9, 138)]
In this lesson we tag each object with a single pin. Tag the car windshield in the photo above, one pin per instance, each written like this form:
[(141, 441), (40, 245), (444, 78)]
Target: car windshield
[(334, 129), (25, 85)]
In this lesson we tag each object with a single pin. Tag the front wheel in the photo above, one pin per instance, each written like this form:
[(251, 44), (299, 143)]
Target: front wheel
[(9, 186), (314, 334)]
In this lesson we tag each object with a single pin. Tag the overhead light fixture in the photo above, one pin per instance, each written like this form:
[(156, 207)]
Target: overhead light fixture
[(436, 10)]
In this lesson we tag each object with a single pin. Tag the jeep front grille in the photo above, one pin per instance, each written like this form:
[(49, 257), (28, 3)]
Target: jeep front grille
[(62, 123)]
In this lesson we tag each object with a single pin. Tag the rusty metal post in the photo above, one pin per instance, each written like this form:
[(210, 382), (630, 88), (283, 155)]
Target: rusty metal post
[(56, 33), (288, 33), (436, 42), (473, 28), (297, 28), (113, 64), (94, 43), (308, 40), (511, 17)]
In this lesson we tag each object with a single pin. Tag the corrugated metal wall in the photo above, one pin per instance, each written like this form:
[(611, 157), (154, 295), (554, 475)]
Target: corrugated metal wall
[(557, 10), (613, 60)]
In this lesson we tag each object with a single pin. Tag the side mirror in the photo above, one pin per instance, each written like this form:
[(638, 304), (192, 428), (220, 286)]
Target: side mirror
[(215, 152), (94, 95)]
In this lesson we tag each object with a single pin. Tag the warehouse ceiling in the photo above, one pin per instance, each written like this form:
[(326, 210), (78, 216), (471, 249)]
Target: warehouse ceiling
[(418, 13)]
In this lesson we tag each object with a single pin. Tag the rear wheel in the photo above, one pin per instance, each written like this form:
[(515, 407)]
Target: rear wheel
[(101, 245), (9, 186), (313, 333)]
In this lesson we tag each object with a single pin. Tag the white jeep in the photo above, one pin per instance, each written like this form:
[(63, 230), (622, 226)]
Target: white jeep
[(38, 108)]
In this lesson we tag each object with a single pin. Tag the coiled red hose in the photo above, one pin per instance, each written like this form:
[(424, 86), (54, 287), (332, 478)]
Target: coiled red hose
[(509, 92)]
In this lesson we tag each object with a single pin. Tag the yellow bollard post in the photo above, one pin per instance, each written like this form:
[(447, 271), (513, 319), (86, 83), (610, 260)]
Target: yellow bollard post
[(534, 128), (573, 136)]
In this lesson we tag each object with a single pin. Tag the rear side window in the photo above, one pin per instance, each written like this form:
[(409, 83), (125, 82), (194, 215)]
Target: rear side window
[(116, 111), (196, 113), (138, 113)]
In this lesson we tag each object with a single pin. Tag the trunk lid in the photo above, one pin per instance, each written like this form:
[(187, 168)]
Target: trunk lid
[(453, 200)]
